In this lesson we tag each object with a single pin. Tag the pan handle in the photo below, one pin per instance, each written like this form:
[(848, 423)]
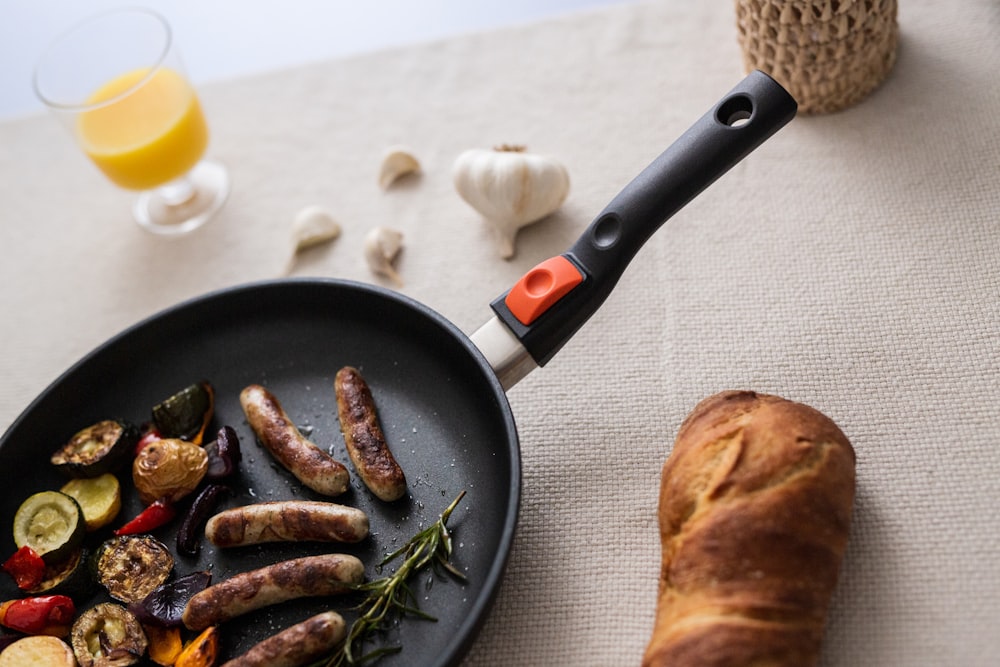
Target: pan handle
[(553, 300)]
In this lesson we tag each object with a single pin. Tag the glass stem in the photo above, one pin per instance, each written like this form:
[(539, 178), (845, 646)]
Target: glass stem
[(177, 192)]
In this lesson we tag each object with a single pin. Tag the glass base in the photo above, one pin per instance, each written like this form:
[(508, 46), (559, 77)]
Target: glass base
[(185, 204)]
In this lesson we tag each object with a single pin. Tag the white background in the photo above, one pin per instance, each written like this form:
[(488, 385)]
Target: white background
[(221, 39)]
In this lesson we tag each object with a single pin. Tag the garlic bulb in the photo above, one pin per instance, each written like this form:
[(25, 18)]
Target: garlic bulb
[(397, 162), (510, 188), (382, 245), (312, 226)]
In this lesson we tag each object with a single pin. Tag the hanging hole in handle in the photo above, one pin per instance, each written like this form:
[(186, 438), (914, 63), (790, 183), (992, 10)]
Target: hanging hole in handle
[(736, 111)]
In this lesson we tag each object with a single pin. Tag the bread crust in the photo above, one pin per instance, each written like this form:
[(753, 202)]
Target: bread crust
[(755, 509)]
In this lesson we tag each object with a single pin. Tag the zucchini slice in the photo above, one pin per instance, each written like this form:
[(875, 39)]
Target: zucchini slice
[(100, 498), (51, 523), (108, 635), (186, 414), (70, 577), (38, 651), (130, 567), (99, 448)]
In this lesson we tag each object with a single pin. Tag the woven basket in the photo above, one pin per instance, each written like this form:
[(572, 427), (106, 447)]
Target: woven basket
[(829, 54)]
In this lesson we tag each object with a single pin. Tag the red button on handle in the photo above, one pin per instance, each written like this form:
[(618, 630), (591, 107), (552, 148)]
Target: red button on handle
[(541, 287)]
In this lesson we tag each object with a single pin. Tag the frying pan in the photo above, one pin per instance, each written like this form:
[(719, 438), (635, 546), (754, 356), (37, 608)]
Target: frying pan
[(440, 394)]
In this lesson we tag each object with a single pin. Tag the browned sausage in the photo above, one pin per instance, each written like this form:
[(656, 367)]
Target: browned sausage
[(298, 645), (287, 521), (310, 465), (326, 574), (363, 435)]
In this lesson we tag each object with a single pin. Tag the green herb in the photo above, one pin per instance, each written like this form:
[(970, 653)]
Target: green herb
[(390, 596)]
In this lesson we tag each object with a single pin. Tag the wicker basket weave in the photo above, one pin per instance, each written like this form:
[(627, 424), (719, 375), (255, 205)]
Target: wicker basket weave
[(829, 54)]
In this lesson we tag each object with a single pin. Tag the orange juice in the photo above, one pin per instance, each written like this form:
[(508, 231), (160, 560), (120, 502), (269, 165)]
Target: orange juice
[(149, 136)]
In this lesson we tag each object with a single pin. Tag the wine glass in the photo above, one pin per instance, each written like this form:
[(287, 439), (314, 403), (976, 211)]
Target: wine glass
[(117, 82)]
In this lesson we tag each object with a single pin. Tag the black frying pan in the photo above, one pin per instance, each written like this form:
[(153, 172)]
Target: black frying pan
[(439, 393)]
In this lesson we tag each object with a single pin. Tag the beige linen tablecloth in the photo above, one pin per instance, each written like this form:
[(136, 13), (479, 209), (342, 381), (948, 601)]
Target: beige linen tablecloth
[(851, 263)]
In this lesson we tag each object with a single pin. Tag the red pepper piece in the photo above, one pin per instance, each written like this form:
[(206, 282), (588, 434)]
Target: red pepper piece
[(27, 568), (150, 436), (155, 515), (40, 615)]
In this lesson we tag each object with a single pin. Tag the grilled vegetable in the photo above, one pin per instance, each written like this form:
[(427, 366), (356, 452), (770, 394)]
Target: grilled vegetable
[(130, 567), (100, 498), (70, 577), (202, 650), (51, 523), (165, 604), (149, 434), (186, 414), (108, 635), (26, 567), (6, 640), (41, 615), (223, 454), (38, 652), (164, 644), (189, 534), (97, 449), (168, 468), (154, 516)]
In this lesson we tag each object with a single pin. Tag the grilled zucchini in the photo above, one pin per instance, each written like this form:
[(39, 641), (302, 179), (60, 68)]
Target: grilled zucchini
[(186, 414), (100, 448), (130, 567), (108, 635), (51, 523)]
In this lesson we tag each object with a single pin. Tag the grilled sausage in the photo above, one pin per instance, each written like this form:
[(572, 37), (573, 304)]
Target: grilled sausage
[(297, 645), (363, 435), (287, 521), (310, 576), (310, 465)]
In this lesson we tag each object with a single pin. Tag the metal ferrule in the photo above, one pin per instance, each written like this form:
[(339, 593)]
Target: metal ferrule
[(508, 357)]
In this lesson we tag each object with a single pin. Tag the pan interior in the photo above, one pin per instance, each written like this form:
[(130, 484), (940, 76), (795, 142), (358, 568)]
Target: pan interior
[(444, 414)]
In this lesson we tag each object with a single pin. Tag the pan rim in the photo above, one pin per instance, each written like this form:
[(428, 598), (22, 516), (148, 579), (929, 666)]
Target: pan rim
[(465, 634)]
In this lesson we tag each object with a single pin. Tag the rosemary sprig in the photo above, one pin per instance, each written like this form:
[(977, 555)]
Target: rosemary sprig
[(391, 594)]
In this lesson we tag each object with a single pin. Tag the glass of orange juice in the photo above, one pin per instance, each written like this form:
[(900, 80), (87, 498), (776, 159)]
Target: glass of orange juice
[(116, 80)]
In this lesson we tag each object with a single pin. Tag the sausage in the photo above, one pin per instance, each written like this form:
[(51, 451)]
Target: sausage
[(287, 521), (310, 465), (363, 436), (310, 576), (297, 645)]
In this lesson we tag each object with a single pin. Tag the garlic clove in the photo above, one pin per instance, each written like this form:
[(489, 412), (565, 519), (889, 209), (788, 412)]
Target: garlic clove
[(511, 188), (311, 226), (397, 162), (382, 246)]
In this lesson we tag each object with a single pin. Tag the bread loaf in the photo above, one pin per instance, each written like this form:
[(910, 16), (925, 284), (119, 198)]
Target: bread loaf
[(755, 506)]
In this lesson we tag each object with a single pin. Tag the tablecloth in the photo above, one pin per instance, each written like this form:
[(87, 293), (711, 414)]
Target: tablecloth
[(851, 263)]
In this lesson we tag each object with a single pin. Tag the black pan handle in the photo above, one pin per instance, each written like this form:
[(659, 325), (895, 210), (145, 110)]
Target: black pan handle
[(553, 300)]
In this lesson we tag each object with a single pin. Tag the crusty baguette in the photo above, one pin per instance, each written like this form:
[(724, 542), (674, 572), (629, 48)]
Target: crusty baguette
[(755, 506)]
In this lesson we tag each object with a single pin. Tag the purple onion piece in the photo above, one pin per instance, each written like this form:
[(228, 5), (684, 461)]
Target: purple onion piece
[(223, 454), (189, 533), (165, 604)]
